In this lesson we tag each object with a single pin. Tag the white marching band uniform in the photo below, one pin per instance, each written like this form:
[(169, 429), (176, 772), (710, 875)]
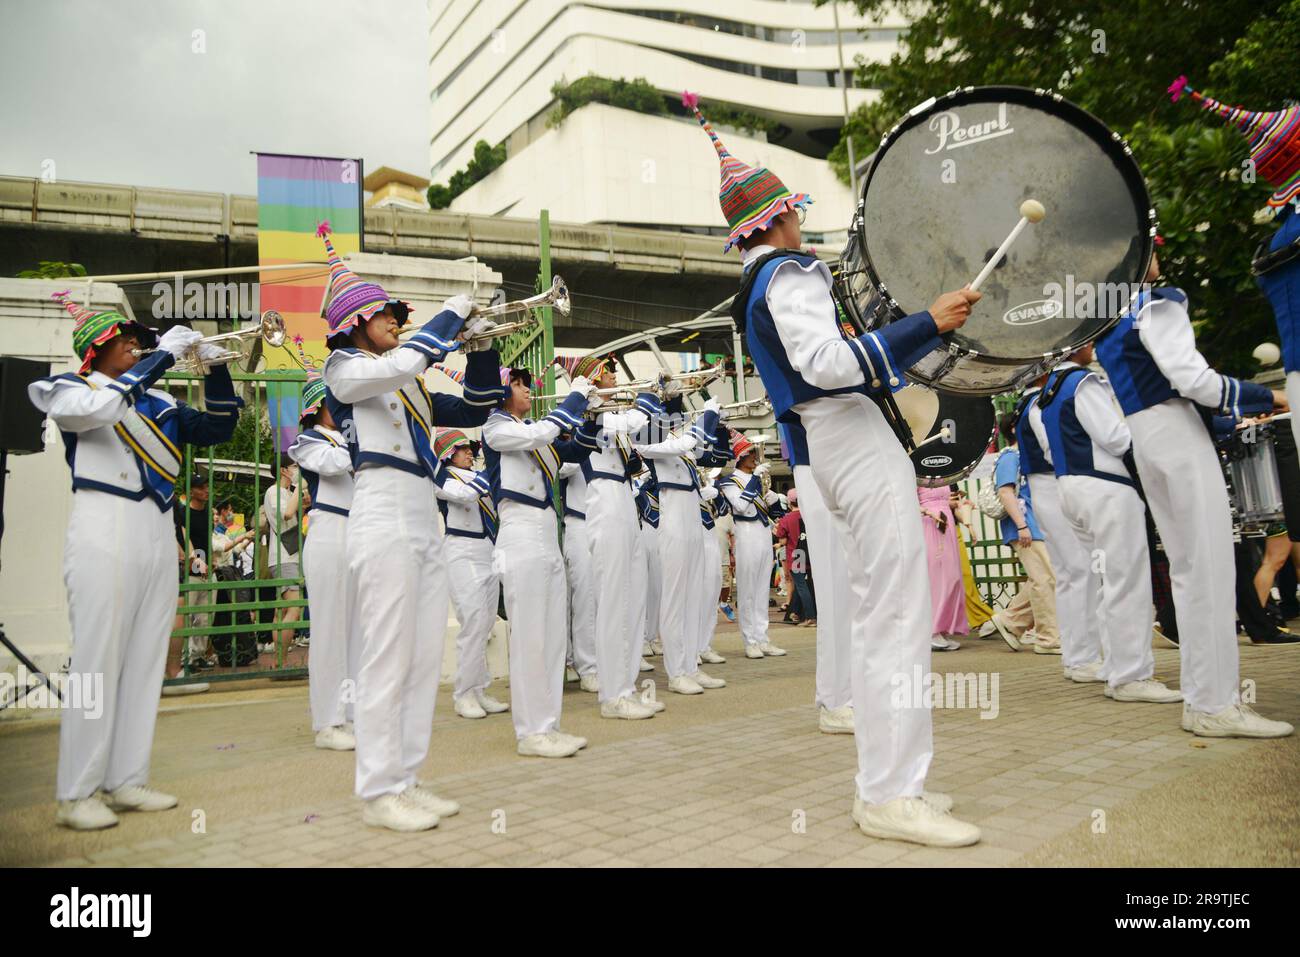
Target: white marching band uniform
[(577, 564), (711, 570), (326, 466), (754, 553), (646, 497)]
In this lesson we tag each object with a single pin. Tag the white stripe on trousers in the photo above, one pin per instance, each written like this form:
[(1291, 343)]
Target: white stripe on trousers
[(754, 557), (475, 588), (335, 625), (1108, 519), (1077, 586), (869, 487), (532, 578), (396, 558), (582, 602), (119, 566), (679, 563), (618, 568), (1185, 491), (830, 566)]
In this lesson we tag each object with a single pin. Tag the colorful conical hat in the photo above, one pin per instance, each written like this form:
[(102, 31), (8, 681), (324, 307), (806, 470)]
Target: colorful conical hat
[(447, 441), (93, 329), (751, 197), (351, 300), (455, 375), (1274, 139), (739, 443), (588, 367), (313, 391)]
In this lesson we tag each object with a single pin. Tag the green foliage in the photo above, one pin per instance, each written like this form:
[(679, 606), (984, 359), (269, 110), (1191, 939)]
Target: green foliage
[(742, 120), (54, 270), (486, 158), (1116, 61), (637, 95), (252, 439)]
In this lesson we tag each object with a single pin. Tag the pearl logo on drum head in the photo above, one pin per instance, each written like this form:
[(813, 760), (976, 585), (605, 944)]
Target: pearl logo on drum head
[(952, 134), (1033, 312)]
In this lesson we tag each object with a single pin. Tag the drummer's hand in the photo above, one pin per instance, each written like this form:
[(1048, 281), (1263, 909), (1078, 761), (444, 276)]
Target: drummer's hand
[(1280, 403), (952, 309), (1023, 538)]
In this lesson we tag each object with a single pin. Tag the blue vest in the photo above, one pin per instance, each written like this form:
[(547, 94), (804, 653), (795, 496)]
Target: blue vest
[(1033, 461), (1282, 286), (1137, 380), (795, 437), (1070, 443)]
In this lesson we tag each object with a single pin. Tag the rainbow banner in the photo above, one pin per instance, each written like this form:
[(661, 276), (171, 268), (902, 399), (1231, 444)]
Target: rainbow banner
[(294, 194)]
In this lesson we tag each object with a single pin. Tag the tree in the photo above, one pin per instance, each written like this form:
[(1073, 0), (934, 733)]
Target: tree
[(49, 269), (1116, 60), (485, 159)]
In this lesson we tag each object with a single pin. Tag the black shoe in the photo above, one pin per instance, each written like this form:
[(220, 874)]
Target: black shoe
[(1278, 638)]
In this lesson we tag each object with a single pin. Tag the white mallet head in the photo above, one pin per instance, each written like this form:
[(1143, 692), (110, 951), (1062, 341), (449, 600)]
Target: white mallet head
[(1032, 210), (1267, 354)]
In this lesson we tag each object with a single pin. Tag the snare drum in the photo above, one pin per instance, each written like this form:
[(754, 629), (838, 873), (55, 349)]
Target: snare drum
[(1250, 460), (944, 190), (951, 432)]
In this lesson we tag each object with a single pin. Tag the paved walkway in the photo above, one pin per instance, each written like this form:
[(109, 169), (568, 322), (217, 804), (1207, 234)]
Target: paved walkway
[(739, 776)]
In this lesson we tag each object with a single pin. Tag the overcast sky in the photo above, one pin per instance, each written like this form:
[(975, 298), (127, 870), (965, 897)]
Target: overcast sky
[(113, 91)]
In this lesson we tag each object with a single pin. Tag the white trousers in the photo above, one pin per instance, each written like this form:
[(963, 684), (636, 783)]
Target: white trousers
[(869, 487), (830, 566), (1189, 502), (395, 555), (1293, 399), (475, 587), (680, 563), (754, 556), (335, 625), (582, 601), (653, 583), (618, 564), (710, 587), (1108, 519), (1078, 587), (119, 566), (537, 601)]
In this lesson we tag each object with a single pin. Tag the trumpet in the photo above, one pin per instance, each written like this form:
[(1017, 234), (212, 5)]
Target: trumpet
[(269, 328), (759, 406), (557, 297)]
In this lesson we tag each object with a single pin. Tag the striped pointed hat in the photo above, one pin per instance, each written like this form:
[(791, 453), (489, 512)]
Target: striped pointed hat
[(740, 445), (1274, 139), (448, 441), (93, 329), (751, 197), (455, 375), (313, 391), (351, 300), (589, 367)]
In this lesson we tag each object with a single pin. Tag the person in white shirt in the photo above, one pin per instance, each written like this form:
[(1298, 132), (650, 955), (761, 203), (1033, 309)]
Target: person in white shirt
[(749, 506), (281, 506)]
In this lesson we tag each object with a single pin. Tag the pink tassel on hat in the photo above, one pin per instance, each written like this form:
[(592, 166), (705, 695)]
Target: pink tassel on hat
[(323, 229), (1176, 88), (690, 100)]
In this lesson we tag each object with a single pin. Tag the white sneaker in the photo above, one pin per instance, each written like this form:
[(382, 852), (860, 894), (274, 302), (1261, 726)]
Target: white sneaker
[(943, 643), (836, 720), (1044, 647), (1029, 637), (590, 683), (646, 666), (753, 651), (424, 797), (771, 650), (467, 706), (547, 745), (398, 812), (654, 704), (579, 741), (139, 798), (684, 685), (1237, 721), (987, 630), (708, 682), (627, 707), (86, 814), (174, 691), (656, 647), (711, 657), (1085, 673), (335, 738), (938, 800), (1147, 689), (1012, 642), (490, 704), (915, 820), (570, 674)]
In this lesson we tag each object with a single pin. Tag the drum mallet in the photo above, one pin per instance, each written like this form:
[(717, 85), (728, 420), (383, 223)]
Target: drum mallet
[(941, 436), (1031, 211)]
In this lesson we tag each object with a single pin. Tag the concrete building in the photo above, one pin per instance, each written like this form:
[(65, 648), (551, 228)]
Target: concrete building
[(493, 64)]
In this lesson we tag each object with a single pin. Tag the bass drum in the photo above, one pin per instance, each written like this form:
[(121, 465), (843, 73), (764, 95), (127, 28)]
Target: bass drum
[(951, 432), (945, 189)]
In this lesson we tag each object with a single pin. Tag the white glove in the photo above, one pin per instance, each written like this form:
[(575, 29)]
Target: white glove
[(461, 305), (178, 340), (582, 386), (762, 469), (209, 351), (473, 327), (713, 405)]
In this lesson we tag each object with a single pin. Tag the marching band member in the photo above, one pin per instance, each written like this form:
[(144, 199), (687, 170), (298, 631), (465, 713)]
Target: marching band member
[(577, 565), (830, 562), (523, 459), (122, 441), (1078, 585), (1160, 378), (618, 560), (750, 509), (465, 501), (376, 394), (820, 378), (646, 496), (323, 459), (712, 457), (1087, 439), (676, 477)]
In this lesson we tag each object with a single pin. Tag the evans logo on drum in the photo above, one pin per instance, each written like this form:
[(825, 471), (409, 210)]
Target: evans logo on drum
[(1034, 311), (936, 461), (952, 133)]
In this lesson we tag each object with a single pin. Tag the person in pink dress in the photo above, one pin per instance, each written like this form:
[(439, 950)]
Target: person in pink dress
[(947, 595)]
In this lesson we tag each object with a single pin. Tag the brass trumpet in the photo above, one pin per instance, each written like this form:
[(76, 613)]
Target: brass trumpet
[(557, 297), (269, 328)]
